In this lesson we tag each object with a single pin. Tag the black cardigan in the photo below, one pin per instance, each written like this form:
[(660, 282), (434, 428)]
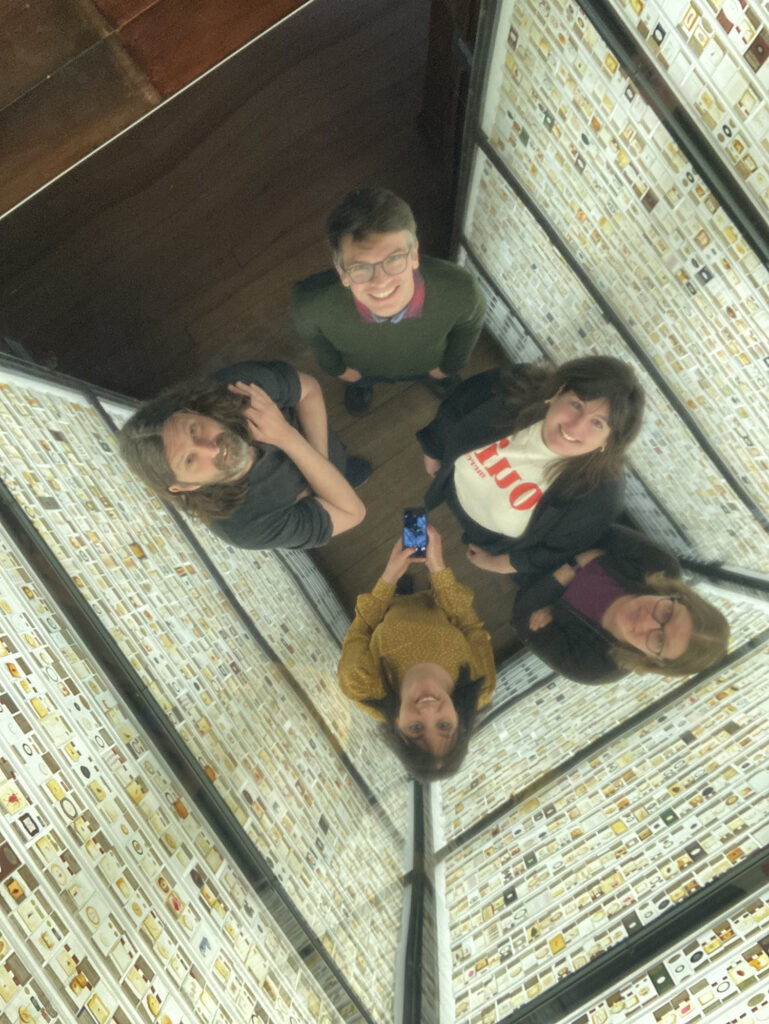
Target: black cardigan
[(572, 644), (477, 413)]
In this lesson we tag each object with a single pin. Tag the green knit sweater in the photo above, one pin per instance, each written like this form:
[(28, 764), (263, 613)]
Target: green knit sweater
[(325, 316)]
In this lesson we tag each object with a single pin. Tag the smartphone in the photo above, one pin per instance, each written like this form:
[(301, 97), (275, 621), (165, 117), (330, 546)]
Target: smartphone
[(415, 531)]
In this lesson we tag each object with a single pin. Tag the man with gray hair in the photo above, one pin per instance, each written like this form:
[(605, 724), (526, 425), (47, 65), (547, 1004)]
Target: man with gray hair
[(249, 453), (384, 313)]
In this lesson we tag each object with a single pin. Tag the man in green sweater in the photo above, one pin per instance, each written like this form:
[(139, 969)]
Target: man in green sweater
[(384, 314)]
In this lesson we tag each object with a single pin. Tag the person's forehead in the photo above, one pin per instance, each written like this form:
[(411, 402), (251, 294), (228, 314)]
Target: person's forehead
[(174, 431), (374, 246)]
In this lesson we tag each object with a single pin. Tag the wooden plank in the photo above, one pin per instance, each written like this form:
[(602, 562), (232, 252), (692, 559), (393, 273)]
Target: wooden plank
[(95, 95), (118, 12), (371, 138), (390, 427), (156, 148), (395, 484), (126, 368), (354, 132), (38, 39), (174, 41)]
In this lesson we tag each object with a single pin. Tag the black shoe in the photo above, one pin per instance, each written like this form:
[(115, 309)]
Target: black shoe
[(357, 400), (405, 584), (357, 470), (442, 387)]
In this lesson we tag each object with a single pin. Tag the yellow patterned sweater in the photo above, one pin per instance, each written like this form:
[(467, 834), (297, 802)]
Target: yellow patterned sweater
[(438, 625)]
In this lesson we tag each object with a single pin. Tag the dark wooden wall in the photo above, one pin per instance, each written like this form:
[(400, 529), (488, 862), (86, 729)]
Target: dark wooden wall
[(73, 73), (182, 237)]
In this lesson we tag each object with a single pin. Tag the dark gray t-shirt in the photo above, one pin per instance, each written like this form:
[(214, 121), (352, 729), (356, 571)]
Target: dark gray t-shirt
[(270, 516)]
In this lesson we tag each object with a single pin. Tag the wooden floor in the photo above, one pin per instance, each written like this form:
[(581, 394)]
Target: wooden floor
[(354, 560), (173, 250)]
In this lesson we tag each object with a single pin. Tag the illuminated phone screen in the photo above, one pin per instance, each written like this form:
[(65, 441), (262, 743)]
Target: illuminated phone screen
[(415, 530)]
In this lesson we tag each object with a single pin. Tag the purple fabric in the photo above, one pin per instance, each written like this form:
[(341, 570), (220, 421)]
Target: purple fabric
[(592, 591)]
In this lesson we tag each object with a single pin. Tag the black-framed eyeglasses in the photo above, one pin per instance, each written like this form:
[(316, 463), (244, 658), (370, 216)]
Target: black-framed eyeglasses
[(395, 263), (661, 613)]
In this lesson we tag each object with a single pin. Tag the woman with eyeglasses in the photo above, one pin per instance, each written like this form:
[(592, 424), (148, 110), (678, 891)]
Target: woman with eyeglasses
[(618, 609), (422, 664)]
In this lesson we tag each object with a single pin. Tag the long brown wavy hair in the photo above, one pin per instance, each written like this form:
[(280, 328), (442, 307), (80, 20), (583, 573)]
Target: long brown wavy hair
[(709, 642), (422, 764), (530, 387), (141, 444)]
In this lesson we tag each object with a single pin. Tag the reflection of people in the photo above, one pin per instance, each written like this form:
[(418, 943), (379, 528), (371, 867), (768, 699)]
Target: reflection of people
[(248, 452), (530, 460), (385, 313), (620, 609), (422, 663)]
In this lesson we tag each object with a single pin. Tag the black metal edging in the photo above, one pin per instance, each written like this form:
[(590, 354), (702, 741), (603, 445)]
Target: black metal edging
[(412, 993), (253, 630), (488, 15), (649, 81), (671, 928), (186, 769), (604, 740), (723, 573), (41, 374), (611, 315)]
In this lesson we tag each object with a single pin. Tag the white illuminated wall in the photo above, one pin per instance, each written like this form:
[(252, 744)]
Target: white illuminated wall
[(118, 899), (566, 120), (583, 814), (714, 55)]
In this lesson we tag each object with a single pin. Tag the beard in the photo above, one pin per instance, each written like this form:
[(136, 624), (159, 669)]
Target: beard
[(241, 455)]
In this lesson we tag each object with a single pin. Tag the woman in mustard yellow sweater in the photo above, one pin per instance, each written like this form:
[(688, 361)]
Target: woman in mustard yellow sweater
[(421, 663)]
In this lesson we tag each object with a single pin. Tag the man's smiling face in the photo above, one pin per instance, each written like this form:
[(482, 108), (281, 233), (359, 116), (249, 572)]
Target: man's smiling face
[(202, 451), (385, 294)]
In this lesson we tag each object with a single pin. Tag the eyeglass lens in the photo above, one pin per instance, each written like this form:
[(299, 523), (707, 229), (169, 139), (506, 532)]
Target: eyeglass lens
[(662, 613), (395, 263)]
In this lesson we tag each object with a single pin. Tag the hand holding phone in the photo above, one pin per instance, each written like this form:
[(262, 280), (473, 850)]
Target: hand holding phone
[(415, 531), (398, 563)]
